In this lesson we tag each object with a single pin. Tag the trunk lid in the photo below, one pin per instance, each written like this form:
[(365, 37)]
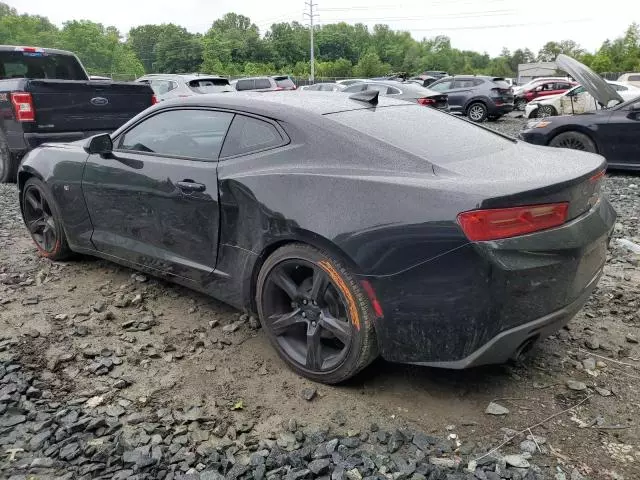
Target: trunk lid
[(66, 105), (594, 83)]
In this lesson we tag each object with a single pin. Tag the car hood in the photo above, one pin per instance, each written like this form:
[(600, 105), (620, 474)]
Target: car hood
[(592, 82)]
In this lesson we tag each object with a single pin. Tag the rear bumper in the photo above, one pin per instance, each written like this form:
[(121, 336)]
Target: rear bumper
[(510, 343), (481, 302), (501, 109)]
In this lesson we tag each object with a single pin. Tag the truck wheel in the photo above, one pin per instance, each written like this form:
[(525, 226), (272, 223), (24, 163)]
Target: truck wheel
[(7, 166)]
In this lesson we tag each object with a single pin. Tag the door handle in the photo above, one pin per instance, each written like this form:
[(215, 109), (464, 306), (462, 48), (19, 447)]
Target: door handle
[(191, 186)]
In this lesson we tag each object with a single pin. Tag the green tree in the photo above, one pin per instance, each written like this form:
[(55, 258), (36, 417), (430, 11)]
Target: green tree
[(370, 65), (178, 51), (287, 43)]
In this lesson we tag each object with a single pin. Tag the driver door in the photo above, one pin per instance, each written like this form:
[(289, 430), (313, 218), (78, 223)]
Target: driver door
[(154, 200)]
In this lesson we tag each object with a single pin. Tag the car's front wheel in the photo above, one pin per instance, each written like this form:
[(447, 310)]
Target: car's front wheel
[(546, 111), (574, 141), (477, 112), (519, 104), (43, 220), (316, 314)]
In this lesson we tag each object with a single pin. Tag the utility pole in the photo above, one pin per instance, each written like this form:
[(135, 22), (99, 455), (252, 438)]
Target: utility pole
[(311, 15)]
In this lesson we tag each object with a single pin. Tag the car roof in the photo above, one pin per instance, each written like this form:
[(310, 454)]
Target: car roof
[(183, 76), (17, 48), (285, 105)]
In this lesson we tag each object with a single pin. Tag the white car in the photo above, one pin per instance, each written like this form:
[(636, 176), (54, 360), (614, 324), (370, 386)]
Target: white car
[(632, 78), (574, 101)]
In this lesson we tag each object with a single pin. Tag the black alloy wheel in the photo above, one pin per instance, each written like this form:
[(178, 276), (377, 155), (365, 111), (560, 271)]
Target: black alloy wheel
[(574, 141), (42, 220), (315, 314)]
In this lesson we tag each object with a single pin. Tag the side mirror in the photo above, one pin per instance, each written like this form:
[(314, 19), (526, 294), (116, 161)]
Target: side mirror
[(99, 145)]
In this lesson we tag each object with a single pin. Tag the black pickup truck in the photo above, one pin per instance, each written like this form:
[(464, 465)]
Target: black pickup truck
[(46, 96)]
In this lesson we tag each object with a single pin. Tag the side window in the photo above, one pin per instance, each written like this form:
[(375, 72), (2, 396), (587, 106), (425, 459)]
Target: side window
[(563, 86), (248, 134), (441, 87), (383, 89), (263, 83), (161, 87), (245, 84), (634, 78), (393, 91), (356, 87), (184, 133)]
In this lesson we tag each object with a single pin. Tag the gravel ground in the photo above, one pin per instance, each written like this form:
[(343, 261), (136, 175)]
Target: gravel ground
[(105, 373)]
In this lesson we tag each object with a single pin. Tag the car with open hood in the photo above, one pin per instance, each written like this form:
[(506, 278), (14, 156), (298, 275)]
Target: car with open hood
[(575, 101), (613, 131)]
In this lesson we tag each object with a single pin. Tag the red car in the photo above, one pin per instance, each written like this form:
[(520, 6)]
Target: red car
[(543, 89)]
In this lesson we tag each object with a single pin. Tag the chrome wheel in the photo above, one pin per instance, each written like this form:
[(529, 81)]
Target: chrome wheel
[(477, 112)]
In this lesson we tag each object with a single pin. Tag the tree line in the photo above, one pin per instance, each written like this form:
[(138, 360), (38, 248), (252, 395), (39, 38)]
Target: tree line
[(234, 46)]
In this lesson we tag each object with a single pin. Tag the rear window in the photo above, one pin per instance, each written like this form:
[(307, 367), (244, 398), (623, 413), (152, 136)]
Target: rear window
[(40, 65), (634, 78), (209, 85), (404, 128), (284, 82), (501, 83)]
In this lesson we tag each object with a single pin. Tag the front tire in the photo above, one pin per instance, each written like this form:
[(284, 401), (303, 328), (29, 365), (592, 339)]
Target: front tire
[(545, 111), (574, 141), (43, 220), (316, 314), (477, 112)]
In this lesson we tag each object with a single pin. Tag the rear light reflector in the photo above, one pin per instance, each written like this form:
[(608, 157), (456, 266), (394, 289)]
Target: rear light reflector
[(493, 224), (154, 100), (426, 101), (23, 107), (597, 176), (368, 288)]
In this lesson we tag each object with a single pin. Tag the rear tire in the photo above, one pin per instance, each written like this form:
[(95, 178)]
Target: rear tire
[(316, 314), (477, 112), (574, 141), (519, 104), (43, 220), (7, 162)]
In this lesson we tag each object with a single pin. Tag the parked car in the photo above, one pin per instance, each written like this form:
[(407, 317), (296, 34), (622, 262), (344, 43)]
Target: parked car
[(441, 260), (167, 86), (611, 132), (350, 81), (536, 81), (435, 73), (632, 78), (477, 97), (47, 96), (324, 87), (423, 80), (403, 91), (542, 89), (264, 84), (574, 101)]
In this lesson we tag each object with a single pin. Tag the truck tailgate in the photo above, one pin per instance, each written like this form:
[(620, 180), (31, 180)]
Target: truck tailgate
[(85, 105)]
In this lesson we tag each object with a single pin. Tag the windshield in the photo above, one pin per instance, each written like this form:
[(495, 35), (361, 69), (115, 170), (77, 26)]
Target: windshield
[(40, 65)]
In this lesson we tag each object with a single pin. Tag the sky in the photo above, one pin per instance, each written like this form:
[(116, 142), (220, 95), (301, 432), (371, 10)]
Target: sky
[(480, 25)]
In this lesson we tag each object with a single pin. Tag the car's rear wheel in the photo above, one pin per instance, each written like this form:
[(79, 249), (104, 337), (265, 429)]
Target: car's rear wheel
[(43, 220), (477, 112), (546, 111), (519, 104), (574, 141), (316, 314), (7, 167)]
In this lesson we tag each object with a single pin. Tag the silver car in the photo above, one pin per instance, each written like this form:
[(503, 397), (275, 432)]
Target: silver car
[(167, 86)]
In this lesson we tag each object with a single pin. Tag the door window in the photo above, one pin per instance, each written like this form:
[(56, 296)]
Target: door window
[(245, 84), (262, 83), (248, 134), (182, 133), (160, 87), (441, 87)]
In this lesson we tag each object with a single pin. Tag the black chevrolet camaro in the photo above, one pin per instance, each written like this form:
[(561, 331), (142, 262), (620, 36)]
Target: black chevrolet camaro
[(353, 227)]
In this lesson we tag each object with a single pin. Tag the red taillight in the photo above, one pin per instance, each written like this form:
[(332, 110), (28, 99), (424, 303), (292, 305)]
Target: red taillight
[(426, 101), (597, 176), (23, 107), (154, 100), (493, 224)]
